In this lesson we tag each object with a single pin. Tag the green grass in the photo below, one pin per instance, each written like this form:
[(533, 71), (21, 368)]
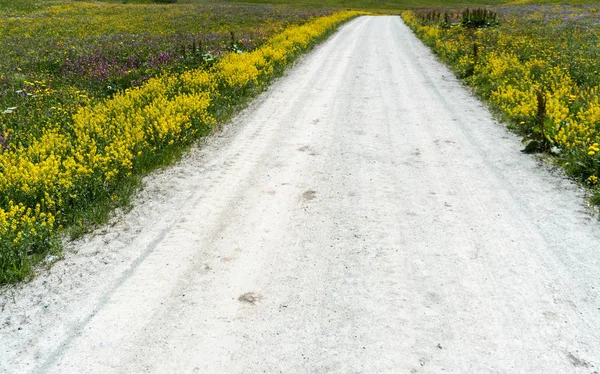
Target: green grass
[(394, 5), (390, 5), (26, 6), (23, 6)]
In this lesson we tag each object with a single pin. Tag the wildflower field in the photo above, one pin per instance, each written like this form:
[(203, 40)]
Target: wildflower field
[(538, 67), (94, 95)]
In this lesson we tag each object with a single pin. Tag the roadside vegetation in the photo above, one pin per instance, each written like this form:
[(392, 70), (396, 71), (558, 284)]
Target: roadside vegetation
[(538, 67), (93, 96)]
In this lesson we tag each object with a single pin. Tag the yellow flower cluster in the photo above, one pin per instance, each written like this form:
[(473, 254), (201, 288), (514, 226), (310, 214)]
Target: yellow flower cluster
[(108, 137), (25, 228), (106, 141), (20, 220)]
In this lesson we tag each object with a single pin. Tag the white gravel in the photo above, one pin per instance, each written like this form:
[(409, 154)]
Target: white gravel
[(366, 215)]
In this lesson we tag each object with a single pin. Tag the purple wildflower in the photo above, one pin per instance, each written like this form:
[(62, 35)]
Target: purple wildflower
[(5, 142)]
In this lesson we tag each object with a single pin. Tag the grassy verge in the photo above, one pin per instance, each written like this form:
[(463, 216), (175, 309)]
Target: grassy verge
[(539, 69), (70, 152)]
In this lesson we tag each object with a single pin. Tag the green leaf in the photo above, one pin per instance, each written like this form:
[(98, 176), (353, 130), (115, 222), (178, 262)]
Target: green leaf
[(532, 146)]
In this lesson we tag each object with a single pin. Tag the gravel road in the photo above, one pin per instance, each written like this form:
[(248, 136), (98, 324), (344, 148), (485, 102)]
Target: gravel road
[(366, 214)]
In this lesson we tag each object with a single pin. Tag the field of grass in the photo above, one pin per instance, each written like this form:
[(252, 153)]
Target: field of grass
[(95, 95), (539, 68), (380, 4), (395, 5)]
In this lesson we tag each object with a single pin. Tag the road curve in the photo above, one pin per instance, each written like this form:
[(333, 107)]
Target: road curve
[(365, 214)]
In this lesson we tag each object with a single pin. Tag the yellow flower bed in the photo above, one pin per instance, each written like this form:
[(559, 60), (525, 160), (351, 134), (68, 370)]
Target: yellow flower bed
[(105, 142)]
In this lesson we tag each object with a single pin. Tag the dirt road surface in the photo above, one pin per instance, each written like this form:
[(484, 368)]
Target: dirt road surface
[(364, 215)]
